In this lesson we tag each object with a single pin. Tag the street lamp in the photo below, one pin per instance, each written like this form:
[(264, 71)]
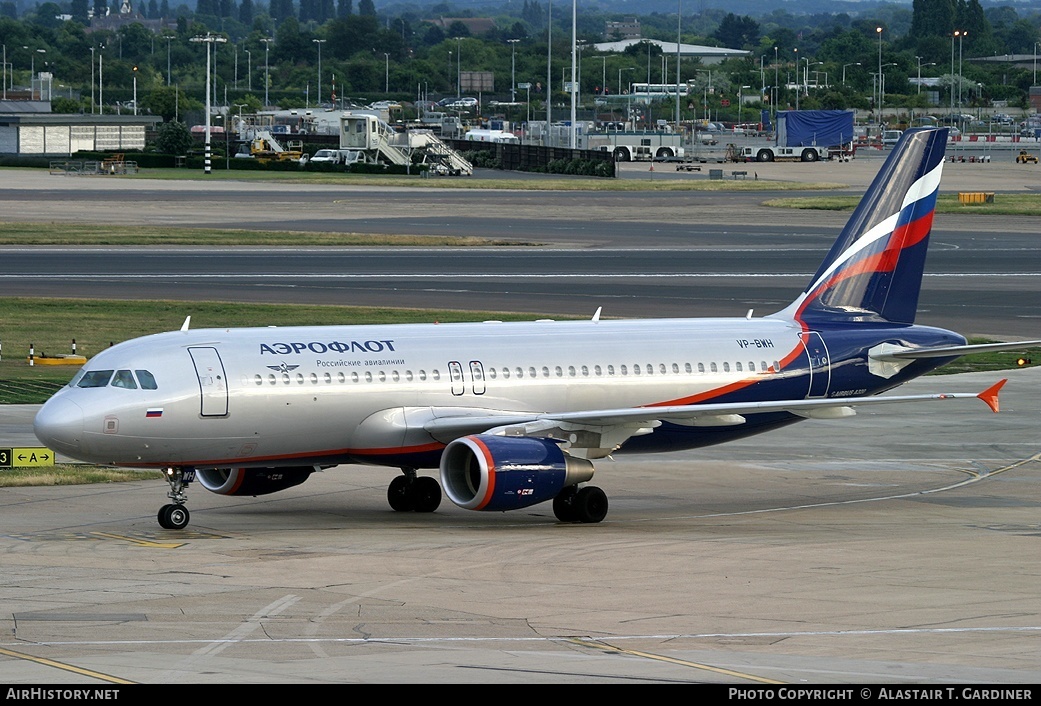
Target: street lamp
[(513, 69), (135, 90), (209, 40), (458, 71), (879, 31), (629, 100), (386, 73), (1032, 83), (91, 81), (920, 65), (319, 42), (956, 34), (267, 71), (960, 38), (249, 70), (856, 63), (168, 39)]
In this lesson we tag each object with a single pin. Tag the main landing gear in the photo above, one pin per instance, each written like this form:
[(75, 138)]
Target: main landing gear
[(588, 504), (175, 515), (414, 493)]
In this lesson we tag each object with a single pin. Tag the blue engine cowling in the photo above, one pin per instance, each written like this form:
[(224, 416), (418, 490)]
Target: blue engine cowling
[(252, 481), (485, 472)]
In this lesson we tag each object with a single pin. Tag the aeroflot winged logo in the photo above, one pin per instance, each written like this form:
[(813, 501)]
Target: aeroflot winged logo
[(284, 368), (327, 347)]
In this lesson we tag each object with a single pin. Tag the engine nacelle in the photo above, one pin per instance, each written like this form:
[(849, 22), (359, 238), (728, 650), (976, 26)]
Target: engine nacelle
[(252, 481), (486, 472)]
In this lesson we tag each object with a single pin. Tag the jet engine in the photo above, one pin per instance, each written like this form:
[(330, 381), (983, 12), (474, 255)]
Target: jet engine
[(486, 472), (252, 481)]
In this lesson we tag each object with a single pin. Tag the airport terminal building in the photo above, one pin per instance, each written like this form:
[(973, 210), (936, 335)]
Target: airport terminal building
[(44, 134)]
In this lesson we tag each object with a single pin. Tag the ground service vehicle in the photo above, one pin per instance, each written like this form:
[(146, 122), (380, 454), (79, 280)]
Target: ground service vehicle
[(806, 136), (1025, 157)]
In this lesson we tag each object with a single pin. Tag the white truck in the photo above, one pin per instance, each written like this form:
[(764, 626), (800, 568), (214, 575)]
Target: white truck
[(806, 136)]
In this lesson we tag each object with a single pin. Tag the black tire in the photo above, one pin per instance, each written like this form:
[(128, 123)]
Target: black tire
[(399, 495), (809, 155), (564, 504), (764, 156), (173, 517), (426, 494), (621, 155), (591, 504)]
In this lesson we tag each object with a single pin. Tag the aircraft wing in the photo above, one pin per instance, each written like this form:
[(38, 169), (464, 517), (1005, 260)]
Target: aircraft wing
[(608, 428)]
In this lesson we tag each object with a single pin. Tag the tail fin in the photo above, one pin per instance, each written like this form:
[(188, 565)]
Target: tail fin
[(874, 270)]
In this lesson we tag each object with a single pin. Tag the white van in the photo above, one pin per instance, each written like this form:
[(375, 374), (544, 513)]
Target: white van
[(890, 137)]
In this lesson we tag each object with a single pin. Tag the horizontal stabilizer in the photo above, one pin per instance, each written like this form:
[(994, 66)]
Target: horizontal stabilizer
[(897, 353)]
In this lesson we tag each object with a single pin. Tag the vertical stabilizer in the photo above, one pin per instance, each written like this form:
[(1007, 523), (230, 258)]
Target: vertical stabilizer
[(874, 270)]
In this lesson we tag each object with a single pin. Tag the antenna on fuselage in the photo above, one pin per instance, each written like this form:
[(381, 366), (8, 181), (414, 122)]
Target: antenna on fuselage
[(187, 320)]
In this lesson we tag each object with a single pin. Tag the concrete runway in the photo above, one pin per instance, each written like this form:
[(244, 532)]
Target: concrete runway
[(896, 547)]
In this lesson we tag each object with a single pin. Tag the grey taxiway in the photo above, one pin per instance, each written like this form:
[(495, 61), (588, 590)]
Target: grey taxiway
[(899, 546)]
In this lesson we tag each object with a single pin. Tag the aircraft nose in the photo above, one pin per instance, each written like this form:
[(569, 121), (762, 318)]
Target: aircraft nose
[(59, 425)]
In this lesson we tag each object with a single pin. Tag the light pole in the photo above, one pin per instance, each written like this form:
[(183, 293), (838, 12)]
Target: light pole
[(386, 73), (267, 71), (319, 42), (249, 70), (168, 39), (956, 33), (960, 38), (208, 39), (740, 102), (1033, 82), (856, 63), (631, 68), (513, 69), (135, 90), (458, 69), (777, 91), (91, 81), (881, 90), (92, 69), (879, 31), (920, 65), (101, 79)]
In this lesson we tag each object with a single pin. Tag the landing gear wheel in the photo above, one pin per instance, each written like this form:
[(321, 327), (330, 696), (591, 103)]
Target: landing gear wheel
[(590, 504), (173, 517), (426, 494), (564, 504), (399, 495)]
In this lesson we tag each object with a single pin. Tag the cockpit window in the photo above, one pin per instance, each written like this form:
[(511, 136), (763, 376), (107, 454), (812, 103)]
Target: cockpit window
[(125, 379), (95, 378), (146, 379)]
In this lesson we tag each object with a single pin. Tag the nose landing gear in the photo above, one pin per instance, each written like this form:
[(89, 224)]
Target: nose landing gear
[(176, 515)]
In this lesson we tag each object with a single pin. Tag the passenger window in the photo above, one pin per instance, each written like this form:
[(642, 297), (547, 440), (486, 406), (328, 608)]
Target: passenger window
[(95, 378), (124, 379), (147, 380), (726, 367)]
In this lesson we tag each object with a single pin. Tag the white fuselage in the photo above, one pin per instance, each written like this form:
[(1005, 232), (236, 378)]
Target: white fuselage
[(271, 396)]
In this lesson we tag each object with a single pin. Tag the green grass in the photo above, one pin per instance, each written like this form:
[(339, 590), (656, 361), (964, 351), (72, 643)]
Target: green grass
[(50, 325), (81, 234), (1004, 204), (71, 474)]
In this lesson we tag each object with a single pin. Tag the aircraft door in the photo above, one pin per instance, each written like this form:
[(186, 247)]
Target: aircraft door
[(477, 376), (213, 384), (820, 363), (455, 374)]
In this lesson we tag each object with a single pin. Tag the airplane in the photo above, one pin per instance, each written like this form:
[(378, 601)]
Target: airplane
[(515, 414)]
